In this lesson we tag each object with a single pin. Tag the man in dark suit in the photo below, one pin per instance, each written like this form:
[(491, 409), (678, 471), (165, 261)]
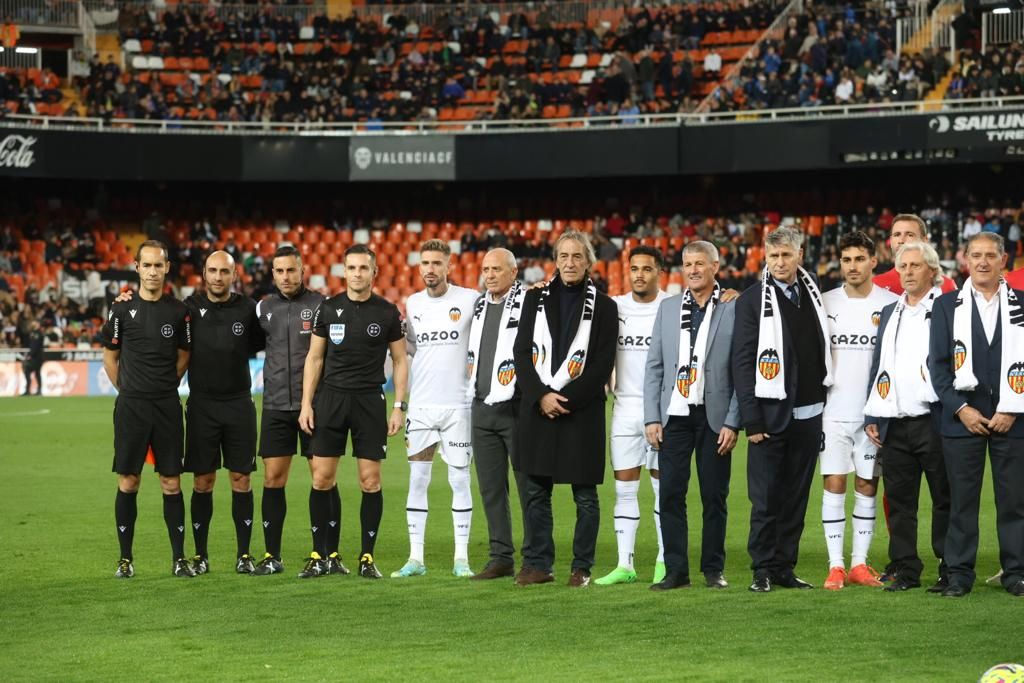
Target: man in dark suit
[(561, 373), (709, 424), (980, 419), (784, 432)]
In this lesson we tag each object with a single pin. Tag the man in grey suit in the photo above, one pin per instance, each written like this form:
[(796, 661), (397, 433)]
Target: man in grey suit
[(689, 404)]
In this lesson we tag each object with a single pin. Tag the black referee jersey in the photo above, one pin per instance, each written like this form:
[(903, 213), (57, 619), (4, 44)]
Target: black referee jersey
[(148, 334), (358, 334), (224, 336)]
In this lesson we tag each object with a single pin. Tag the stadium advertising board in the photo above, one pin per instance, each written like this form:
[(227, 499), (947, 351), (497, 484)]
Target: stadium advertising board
[(18, 153), (402, 157), (1002, 130)]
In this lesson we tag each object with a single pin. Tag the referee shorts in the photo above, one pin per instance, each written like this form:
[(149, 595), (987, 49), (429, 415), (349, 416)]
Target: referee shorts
[(216, 426), (336, 413), (141, 423), (278, 433)]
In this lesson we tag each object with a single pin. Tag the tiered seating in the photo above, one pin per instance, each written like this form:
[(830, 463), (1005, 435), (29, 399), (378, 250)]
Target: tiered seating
[(26, 91)]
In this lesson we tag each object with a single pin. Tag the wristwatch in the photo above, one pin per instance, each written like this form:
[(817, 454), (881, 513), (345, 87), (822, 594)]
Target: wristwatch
[(403, 406)]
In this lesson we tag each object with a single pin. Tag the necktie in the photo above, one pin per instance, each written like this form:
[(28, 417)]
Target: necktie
[(793, 292)]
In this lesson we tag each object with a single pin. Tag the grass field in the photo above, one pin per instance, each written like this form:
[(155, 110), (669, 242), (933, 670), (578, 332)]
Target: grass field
[(64, 617)]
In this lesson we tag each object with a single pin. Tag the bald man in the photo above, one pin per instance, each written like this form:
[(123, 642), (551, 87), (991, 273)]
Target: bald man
[(495, 408)]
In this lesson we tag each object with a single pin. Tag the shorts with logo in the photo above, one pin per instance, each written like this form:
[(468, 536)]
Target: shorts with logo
[(216, 427), (450, 427), (279, 430), (141, 423), (846, 448), (629, 443), (337, 413)]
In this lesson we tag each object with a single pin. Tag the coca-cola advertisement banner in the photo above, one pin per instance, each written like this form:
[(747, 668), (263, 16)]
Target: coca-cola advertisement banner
[(17, 152)]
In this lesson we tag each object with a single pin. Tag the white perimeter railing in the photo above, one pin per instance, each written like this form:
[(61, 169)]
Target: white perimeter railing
[(1002, 28), (21, 58), (63, 13), (517, 126), (919, 31)]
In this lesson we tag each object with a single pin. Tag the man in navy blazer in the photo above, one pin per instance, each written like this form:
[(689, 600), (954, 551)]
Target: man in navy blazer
[(710, 427), (971, 424)]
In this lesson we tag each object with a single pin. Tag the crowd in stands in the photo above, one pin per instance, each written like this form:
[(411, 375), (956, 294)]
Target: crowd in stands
[(999, 72)]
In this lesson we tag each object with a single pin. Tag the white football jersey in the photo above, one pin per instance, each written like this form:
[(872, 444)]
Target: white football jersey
[(636, 324), (438, 333), (853, 327)]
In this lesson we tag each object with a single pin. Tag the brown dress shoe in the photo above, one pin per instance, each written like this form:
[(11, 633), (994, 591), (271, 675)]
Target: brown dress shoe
[(494, 570), (579, 579), (529, 576)]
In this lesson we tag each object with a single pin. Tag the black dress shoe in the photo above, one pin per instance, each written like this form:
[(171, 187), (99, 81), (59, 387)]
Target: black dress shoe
[(939, 586), (761, 584), (671, 582), (792, 581), (715, 580), (903, 583), (1017, 589), (955, 590)]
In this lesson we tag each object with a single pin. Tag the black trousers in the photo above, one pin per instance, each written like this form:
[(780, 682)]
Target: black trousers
[(33, 369), (539, 547), (779, 474), (912, 449), (683, 435), (965, 464)]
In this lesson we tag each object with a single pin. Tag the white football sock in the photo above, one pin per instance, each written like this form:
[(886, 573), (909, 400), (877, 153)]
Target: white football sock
[(656, 485), (627, 520), (462, 509), (863, 527), (833, 518), (416, 506)]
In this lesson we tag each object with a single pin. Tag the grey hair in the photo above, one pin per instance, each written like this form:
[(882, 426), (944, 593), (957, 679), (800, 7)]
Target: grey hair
[(993, 237), (785, 237), (509, 257), (705, 247), (928, 253), (577, 236)]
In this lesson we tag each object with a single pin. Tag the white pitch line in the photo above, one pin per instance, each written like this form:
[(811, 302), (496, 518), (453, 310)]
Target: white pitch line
[(33, 413)]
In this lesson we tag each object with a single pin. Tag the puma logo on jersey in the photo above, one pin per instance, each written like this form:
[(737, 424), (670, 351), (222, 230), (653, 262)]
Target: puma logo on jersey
[(202, 312), (622, 320), (834, 318), (132, 312)]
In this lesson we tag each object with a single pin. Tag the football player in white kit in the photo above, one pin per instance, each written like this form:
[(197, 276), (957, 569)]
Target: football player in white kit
[(854, 312), (630, 450), (438, 320)]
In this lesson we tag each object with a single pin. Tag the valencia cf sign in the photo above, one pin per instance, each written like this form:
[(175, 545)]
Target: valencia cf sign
[(876, 318), (959, 354), (506, 372), (1015, 378), (768, 364), (882, 385), (455, 314), (683, 381), (541, 355), (470, 362), (576, 363)]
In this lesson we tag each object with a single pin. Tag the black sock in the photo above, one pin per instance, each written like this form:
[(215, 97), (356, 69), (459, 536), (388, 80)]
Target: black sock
[(174, 517), (241, 512), (334, 525), (125, 511), (319, 518), (370, 512), (274, 509), (202, 513)]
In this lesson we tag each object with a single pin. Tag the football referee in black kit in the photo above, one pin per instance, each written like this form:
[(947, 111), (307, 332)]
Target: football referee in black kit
[(147, 350), (341, 392)]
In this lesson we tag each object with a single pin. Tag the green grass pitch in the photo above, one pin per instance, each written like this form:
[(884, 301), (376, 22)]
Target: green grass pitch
[(64, 617)]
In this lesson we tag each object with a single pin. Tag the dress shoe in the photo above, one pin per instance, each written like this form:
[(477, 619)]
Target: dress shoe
[(715, 580), (902, 583), (939, 586), (530, 576), (1017, 589), (792, 581), (671, 582), (761, 584), (494, 570), (955, 590), (580, 578)]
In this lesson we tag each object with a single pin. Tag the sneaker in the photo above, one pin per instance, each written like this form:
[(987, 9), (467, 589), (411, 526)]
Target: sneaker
[(315, 566), (182, 568), (659, 572), (462, 570), (245, 564), (864, 575), (836, 579), (268, 565), (200, 565), (335, 565), (125, 569), (617, 575), (411, 568), (367, 569)]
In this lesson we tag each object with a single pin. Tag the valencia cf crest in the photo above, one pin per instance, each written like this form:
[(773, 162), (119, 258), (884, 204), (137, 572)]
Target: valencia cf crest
[(768, 364), (876, 318), (959, 354), (882, 385), (336, 333), (455, 314), (506, 372), (470, 362), (1015, 377), (576, 363), (541, 355), (683, 381)]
